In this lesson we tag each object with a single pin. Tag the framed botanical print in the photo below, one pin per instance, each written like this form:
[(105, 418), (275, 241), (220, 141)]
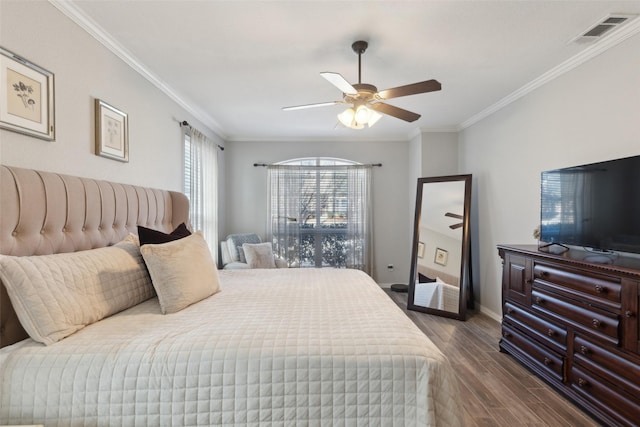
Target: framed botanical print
[(112, 132), (441, 256), (26, 97)]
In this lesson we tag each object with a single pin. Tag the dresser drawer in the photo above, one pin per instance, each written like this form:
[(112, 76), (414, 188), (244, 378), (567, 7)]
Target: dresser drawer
[(599, 323), (618, 404), (553, 335), (587, 286), (532, 353), (620, 370)]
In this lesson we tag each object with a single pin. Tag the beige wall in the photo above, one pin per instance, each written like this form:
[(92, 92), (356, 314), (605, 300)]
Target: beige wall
[(589, 114), (430, 154), (84, 70)]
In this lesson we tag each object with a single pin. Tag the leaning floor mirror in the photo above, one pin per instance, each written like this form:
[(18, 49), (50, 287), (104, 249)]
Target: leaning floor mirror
[(439, 281)]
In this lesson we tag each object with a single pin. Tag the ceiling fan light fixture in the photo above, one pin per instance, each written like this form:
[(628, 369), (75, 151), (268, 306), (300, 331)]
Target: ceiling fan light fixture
[(359, 117), (362, 114), (348, 118)]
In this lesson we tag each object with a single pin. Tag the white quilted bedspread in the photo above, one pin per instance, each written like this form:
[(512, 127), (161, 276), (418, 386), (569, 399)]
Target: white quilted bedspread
[(282, 347)]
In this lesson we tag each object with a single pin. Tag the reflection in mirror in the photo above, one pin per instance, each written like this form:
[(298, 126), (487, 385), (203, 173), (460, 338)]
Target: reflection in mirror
[(439, 277)]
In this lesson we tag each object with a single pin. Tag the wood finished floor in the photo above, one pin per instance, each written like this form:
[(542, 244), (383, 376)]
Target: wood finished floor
[(496, 390)]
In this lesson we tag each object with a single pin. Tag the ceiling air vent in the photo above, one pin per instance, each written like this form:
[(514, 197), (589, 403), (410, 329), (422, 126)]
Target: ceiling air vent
[(603, 27)]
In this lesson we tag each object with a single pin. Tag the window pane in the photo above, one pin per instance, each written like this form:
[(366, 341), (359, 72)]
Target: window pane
[(334, 251), (315, 200)]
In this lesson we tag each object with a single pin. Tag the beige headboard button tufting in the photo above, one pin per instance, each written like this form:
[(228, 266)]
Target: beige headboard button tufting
[(46, 213)]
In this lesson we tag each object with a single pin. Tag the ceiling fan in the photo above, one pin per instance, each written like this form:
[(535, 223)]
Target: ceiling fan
[(366, 100), (456, 216)]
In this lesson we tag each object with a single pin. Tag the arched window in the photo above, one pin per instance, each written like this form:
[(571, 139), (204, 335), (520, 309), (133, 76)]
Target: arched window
[(319, 212)]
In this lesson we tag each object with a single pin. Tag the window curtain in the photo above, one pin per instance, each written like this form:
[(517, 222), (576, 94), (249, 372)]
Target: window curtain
[(359, 214), (201, 186), (290, 197), (285, 185)]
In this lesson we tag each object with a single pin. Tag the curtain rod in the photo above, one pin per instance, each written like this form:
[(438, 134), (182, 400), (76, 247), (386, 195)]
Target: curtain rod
[(313, 166), (186, 124)]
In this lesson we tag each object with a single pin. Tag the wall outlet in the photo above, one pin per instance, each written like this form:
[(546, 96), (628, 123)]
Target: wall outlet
[(390, 267)]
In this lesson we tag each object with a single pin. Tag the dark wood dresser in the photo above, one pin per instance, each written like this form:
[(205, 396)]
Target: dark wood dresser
[(572, 318)]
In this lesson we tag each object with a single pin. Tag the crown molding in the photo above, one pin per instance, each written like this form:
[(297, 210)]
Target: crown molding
[(439, 130), (90, 26), (596, 49), (346, 139)]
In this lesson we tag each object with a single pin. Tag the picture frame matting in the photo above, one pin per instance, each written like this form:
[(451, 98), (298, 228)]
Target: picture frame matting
[(441, 256), (112, 132), (420, 250), (27, 97)]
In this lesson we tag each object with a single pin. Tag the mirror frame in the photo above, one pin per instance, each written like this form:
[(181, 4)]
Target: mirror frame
[(465, 261)]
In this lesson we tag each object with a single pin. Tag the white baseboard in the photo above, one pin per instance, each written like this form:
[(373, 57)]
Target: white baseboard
[(492, 314)]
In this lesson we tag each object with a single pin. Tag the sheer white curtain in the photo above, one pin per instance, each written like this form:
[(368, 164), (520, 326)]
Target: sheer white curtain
[(284, 211), (359, 214), (201, 186), (320, 214)]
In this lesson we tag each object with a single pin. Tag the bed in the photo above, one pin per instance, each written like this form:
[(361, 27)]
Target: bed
[(441, 290), (269, 347)]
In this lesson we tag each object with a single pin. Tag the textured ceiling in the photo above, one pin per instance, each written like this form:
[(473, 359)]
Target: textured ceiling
[(237, 63)]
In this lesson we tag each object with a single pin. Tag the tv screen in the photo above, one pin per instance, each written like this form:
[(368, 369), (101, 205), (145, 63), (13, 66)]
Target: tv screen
[(596, 206)]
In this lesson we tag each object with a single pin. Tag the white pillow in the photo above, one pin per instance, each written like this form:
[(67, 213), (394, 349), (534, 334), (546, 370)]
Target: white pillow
[(182, 272), (259, 255), (57, 295)]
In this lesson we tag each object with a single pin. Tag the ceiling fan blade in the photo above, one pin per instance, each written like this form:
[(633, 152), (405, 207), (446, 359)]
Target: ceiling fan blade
[(320, 104), (452, 215), (412, 89), (340, 82), (454, 226), (396, 112)]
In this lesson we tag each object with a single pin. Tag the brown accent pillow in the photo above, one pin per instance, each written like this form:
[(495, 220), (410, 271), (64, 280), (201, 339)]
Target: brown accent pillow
[(149, 235)]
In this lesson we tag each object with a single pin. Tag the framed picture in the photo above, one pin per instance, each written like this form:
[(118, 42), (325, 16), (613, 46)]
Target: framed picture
[(441, 256), (112, 132), (420, 250), (26, 97)]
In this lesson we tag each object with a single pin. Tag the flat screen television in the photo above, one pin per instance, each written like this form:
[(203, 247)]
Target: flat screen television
[(596, 206)]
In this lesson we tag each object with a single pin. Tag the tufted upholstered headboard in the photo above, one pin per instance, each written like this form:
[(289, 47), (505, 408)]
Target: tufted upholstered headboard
[(46, 213)]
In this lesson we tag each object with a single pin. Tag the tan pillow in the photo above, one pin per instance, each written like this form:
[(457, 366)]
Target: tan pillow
[(57, 295), (182, 271), (259, 255)]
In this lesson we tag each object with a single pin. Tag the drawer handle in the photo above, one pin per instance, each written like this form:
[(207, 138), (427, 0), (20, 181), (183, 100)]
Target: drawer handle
[(596, 323), (539, 300), (584, 350), (551, 332), (628, 313), (510, 310), (544, 274), (600, 289), (506, 334), (548, 361), (582, 382)]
